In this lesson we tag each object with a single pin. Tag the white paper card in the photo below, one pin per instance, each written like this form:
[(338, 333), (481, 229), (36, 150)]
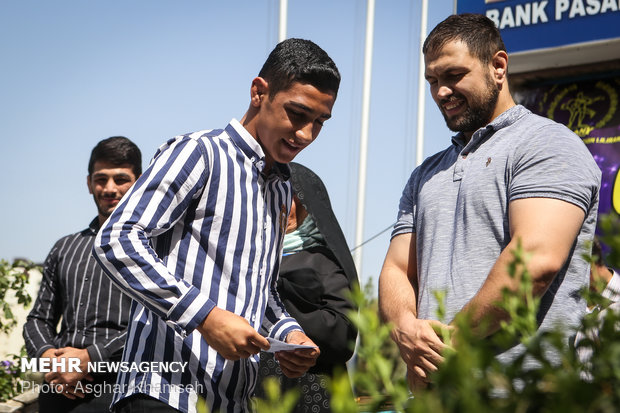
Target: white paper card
[(277, 345)]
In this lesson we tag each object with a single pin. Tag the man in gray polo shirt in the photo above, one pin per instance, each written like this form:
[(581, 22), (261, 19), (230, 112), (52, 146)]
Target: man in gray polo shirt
[(508, 175)]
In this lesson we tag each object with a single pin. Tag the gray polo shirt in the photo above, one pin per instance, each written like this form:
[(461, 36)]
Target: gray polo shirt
[(456, 203)]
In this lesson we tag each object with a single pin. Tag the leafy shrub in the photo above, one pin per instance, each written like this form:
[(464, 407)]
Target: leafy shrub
[(13, 281), (13, 278), (472, 380), (11, 376)]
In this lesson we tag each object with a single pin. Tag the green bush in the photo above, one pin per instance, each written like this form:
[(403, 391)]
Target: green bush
[(11, 376), (13, 281), (472, 380), (378, 374)]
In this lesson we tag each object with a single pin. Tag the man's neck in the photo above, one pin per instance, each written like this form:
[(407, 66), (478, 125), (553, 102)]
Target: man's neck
[(102, 219), (499, 109)]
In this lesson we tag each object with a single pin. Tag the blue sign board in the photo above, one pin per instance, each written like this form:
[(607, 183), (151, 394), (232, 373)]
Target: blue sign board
[(529, 25)]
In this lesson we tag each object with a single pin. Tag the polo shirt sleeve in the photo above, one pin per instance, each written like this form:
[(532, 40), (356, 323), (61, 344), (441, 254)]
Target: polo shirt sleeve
[(405, 222), (554, 163), (158, 200)]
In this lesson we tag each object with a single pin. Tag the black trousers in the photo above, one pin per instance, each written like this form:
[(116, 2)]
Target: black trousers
[(98, 401), (141, 403)]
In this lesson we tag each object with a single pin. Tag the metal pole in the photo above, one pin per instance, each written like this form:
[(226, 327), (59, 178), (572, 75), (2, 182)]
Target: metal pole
[(361, 184), (421, 87), (283, 20)]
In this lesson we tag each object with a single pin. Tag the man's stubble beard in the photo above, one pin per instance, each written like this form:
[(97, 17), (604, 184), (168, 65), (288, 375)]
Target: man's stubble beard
[(479, 110)]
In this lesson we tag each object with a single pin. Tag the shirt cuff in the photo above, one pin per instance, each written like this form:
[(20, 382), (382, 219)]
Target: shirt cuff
[(190, 311), (283, 327), (97, 353), (42, 350)]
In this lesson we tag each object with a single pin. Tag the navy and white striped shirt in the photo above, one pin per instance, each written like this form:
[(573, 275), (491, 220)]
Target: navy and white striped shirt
[(93, 310), (201, 227)]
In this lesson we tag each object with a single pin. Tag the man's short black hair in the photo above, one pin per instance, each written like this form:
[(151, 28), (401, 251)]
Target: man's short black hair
[(299, 60), (118, 150), (477, 31)]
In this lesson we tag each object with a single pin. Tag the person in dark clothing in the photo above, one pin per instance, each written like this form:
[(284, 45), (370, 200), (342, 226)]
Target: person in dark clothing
[(79, 313), (316, 277)]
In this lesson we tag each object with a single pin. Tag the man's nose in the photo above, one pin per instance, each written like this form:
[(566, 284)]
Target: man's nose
[(110, 186), (444, 91), (304, 134)]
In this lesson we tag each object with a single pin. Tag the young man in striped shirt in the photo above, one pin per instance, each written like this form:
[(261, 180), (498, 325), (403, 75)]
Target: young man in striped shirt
[(197, 243), (93, 310)]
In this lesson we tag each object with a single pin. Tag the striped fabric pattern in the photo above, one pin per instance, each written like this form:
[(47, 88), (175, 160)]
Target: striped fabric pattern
[(94, 312), (201, 227)]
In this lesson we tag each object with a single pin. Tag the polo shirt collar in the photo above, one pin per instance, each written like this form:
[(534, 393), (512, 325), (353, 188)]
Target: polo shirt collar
[(252, 149), (505, 119)]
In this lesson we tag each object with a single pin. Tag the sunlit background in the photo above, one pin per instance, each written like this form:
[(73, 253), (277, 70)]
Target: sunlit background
[(75, 72)]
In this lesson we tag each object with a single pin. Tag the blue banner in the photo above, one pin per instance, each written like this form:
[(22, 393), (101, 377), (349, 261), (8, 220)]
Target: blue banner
[(529, 25), (590, 109)]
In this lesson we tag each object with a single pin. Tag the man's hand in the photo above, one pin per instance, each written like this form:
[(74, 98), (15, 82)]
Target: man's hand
[(420, 346), (66, 381), (296, 362), (231, 335), (50, 353), (414, 382)]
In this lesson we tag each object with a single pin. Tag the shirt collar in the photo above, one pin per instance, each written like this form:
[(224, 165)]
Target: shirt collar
[(252, 149), (505, 119), (94, 225)]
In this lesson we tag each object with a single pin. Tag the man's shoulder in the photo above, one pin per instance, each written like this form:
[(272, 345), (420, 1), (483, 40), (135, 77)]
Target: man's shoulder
[(437, 160), (203, 134), (200, 140), (531, 132), (541, 125)]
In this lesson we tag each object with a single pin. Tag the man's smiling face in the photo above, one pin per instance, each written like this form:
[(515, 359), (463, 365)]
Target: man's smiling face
[(462, 87), (108, 183), (291, 120)]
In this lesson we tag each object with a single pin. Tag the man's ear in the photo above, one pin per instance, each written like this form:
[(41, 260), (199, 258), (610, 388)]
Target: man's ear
[(258, 91), (500, 66), (90, 189)]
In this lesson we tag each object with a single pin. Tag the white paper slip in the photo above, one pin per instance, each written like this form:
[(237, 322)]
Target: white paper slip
[(277, 345)]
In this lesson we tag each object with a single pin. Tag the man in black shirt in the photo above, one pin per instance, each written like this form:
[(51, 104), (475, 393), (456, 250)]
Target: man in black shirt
[(93, 310)]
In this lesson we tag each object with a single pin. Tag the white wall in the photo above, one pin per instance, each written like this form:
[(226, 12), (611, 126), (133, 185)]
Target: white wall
[(12, 343)]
